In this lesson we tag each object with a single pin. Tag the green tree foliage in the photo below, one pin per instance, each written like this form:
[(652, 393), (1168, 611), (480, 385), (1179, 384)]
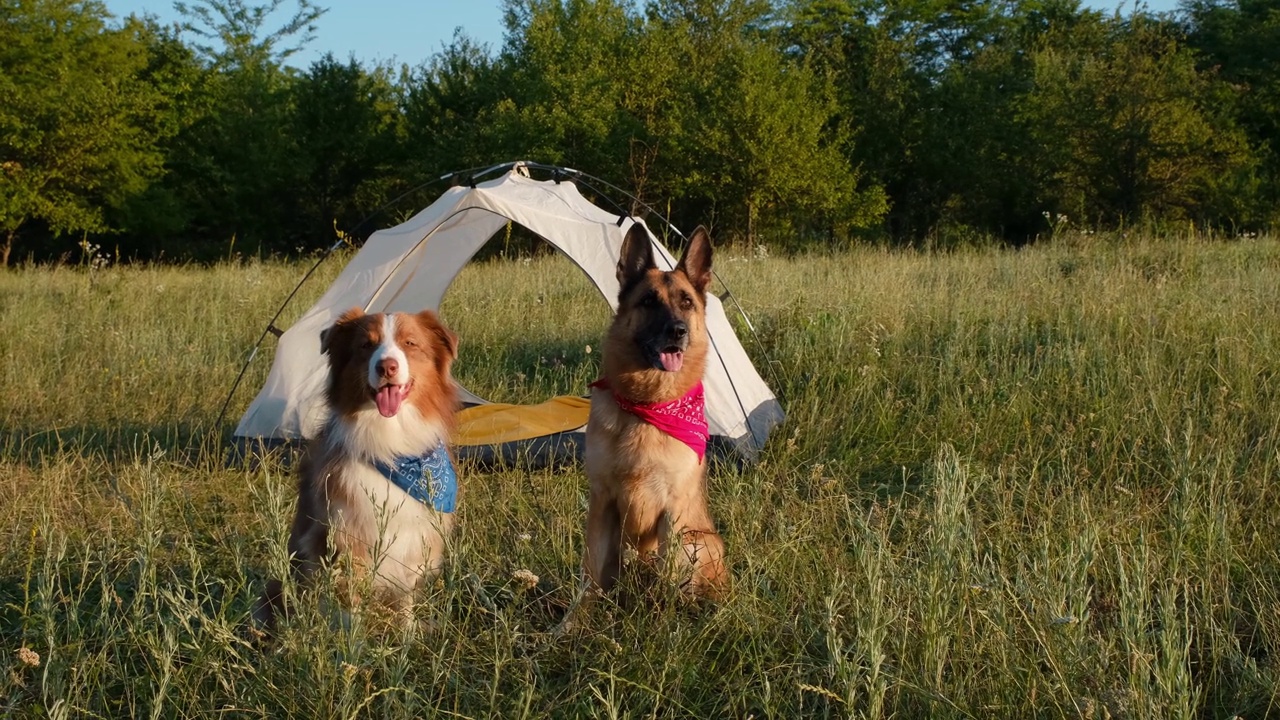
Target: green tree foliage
[(238, 156), (451, 110), (787, 122), (156, 214), (77, 121), (1239, 42), (345, 125), (233, 33), (1128, 126), (763, 138), (571, 63), (692, 102), (932, 89), (978, 118), (879, 91)]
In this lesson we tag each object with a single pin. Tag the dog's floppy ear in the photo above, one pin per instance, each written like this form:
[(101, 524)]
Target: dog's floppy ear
[(326, 335), (447, 338), (696, 261), (636, 258)]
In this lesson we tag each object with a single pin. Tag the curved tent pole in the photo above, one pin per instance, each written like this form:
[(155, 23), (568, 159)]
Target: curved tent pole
[(777, 385), (715, 348), (470, 177), (271, 328)]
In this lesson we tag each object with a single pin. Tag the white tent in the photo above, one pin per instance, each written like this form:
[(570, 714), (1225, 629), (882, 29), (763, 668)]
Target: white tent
[(410, 266)]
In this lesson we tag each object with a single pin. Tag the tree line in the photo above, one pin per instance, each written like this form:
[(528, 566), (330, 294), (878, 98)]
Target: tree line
[(795, 123)]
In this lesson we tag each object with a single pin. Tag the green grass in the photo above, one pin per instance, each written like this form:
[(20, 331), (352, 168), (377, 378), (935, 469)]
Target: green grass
[(1011, 484)]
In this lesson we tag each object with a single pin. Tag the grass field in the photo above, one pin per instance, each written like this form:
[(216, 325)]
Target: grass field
[(1037, 483)]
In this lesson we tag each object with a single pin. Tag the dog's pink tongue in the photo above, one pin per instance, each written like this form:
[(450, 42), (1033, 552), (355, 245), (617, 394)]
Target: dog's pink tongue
[(389, 398), (671, 361)]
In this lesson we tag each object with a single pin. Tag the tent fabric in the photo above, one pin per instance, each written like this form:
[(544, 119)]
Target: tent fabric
[(497, 423), (409, 267)]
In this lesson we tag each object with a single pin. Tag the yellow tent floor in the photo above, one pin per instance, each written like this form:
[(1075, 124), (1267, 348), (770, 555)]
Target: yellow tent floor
[(498, 423)]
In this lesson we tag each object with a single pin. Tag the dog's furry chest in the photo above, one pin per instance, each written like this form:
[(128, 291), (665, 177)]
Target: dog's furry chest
[(376, 521), (379, 524), (623, 449)]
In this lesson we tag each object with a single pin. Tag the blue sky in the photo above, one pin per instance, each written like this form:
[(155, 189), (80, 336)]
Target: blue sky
[(411, 31), (373, 30)]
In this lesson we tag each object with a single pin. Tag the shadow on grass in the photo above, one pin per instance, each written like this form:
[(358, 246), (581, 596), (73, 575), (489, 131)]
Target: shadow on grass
[(532, 371), (185, 443)]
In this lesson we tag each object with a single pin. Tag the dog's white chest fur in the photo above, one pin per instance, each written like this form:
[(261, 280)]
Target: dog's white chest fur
[(399, 532), (404, 538)]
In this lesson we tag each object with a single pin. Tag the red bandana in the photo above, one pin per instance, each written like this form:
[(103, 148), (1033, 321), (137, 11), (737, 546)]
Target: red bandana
[(684, 418)]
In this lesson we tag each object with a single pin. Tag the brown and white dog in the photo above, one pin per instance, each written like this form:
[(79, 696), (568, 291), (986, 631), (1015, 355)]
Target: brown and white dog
[(377, 484), (647, 433)]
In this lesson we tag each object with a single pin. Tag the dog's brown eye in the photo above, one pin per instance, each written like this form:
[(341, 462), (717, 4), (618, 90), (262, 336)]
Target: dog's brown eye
[(411, 343), (649, 300), (686, 302), (367, 344)]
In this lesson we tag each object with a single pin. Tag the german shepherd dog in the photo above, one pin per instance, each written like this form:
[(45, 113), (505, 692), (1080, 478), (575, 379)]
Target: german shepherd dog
[(646, 436)]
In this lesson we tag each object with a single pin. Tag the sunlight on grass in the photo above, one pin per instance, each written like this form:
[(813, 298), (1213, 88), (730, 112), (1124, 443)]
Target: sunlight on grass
[(1011, 484), (530, 329)]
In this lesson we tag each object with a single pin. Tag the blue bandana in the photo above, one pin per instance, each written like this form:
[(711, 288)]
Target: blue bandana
[(430, 479)]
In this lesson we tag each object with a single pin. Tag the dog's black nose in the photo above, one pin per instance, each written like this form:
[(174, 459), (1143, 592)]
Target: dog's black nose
[(679, 329)]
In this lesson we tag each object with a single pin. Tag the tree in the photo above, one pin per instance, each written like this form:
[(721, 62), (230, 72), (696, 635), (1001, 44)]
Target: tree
[(1239, 42), (236, 164), (689, 101), (976, 170), (570, 65), (450, 109), (344, 127), (762, 142), (236, 35), (72, 142), (1128, 125), (151, 220), (930, 88)]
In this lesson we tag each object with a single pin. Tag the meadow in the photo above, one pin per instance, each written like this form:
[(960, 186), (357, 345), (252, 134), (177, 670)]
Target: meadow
[(1012, 483)]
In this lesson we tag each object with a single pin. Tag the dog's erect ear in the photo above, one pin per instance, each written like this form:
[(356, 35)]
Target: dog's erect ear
[(636, 258), (696, 261), (345, 320)]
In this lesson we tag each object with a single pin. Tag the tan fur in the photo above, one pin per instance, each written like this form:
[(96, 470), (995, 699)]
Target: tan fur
[(646, 486), (345, 507)]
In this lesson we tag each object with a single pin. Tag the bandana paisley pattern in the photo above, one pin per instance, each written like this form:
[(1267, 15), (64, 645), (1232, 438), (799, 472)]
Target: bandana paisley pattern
[(429, 479), (684, 418)]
